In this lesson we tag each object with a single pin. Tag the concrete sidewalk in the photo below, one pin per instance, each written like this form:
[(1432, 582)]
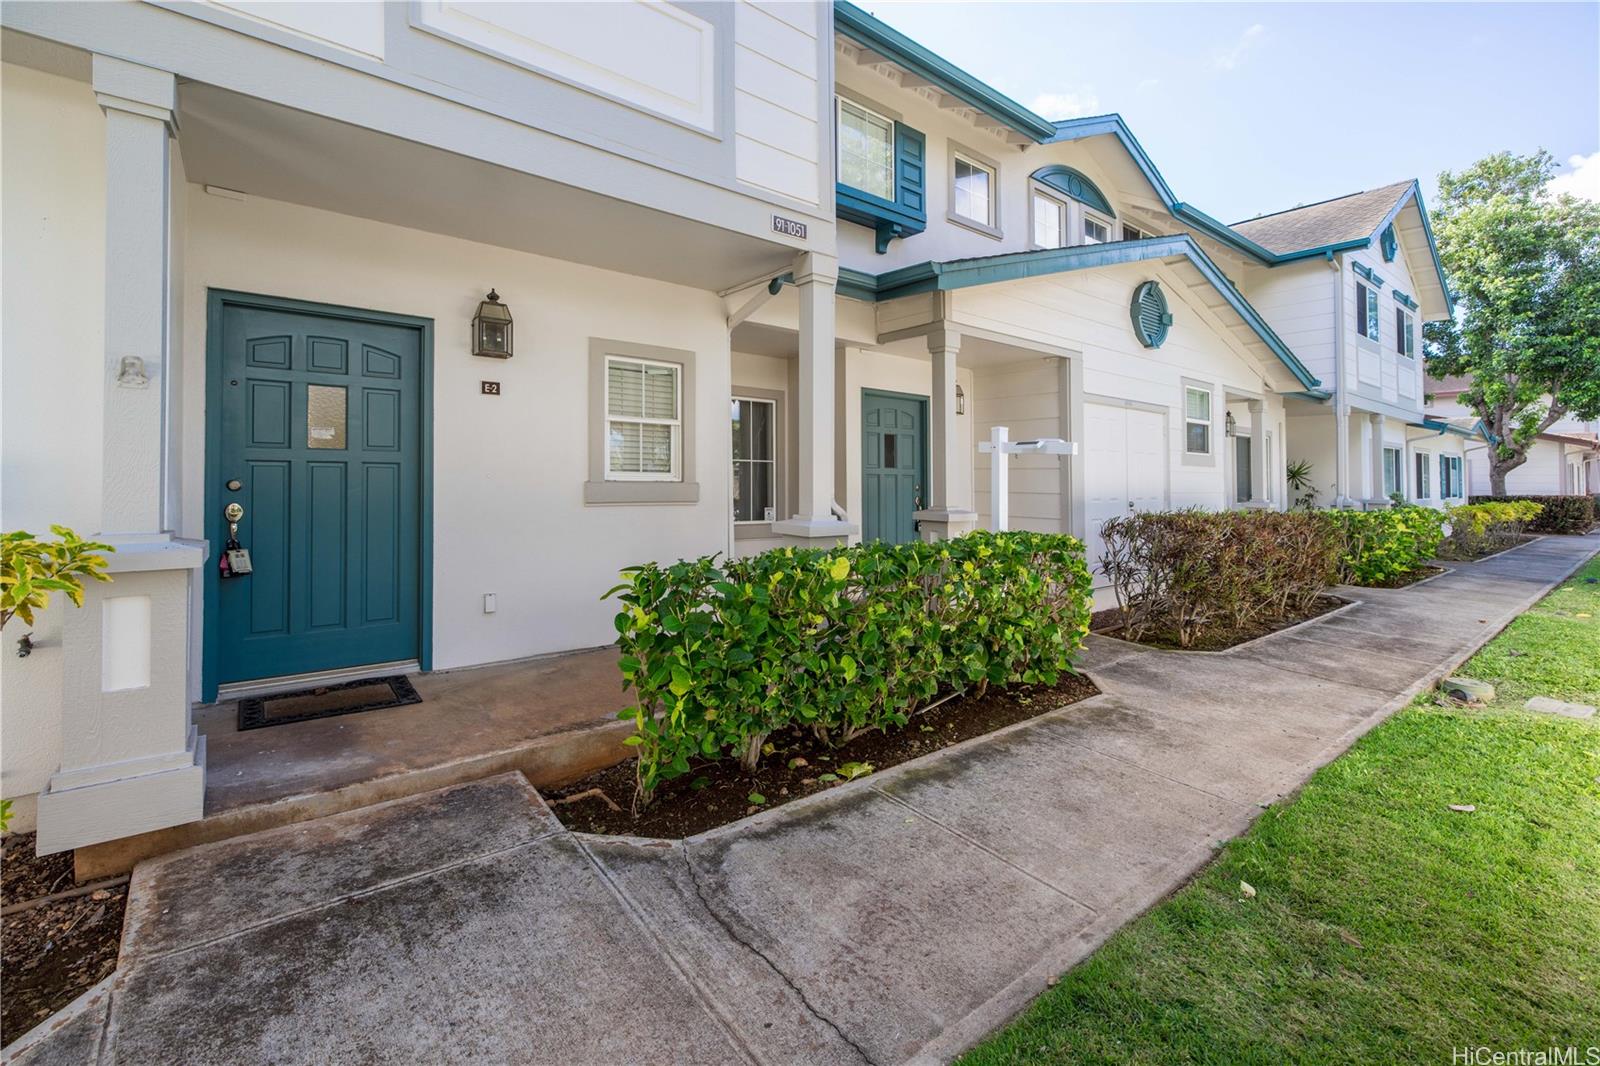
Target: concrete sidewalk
[(894, 919)]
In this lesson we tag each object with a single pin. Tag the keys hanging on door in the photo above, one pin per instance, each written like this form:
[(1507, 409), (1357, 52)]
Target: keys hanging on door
[(235, 561)]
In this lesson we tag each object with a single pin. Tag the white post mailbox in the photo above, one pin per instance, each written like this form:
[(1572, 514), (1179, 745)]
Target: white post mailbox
[(997, 447)]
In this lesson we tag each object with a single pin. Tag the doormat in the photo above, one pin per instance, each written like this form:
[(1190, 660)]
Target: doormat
[(326, 701)]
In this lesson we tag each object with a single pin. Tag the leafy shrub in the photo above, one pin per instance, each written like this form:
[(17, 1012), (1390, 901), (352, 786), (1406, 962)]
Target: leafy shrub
[(1561, 514), (1384, 546), (722, 653), (1180, 573), (31, 569), (1484, 528)]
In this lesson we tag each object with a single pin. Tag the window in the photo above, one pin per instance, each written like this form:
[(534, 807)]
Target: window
[(973, 196), (754, 460), (1367, 311), (1196, 421), (1133, 233), (643, 420), (1424, 490), (1095, 230), (866, 150), (1450, 485), (1405, 341), (1391, 471), (1049, 221), (1241, 469)]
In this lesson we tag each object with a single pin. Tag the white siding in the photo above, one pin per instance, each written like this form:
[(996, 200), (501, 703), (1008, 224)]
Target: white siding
[(1297, 302), (776, 99), (1025, 398)]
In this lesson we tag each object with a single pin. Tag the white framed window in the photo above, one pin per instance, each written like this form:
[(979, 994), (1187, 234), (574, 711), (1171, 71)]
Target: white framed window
[(1367, 311), (1405, 340), (755, 465), (1391, 471), (1196, 420), (865, 149), (1424, 479), (972, 196), (1049, 221), (1450, 482), (1096, 230), (1133, 233), (644, 420)]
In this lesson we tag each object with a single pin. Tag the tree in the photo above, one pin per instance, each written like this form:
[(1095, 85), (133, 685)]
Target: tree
[(1524, 267)]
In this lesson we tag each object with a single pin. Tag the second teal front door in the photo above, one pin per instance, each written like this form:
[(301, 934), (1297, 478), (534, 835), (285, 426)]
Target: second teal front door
[(318, 438), (894, 458)]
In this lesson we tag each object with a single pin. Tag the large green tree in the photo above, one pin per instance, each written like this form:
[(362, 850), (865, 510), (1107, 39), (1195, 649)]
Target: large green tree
[(1524, 267)]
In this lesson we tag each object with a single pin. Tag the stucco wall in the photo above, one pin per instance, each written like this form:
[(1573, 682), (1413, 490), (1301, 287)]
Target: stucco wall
[(508, 508)]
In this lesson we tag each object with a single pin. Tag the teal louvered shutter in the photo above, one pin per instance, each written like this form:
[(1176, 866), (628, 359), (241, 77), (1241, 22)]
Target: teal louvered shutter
[(910, 170), (1387, 243), (1150, 315)]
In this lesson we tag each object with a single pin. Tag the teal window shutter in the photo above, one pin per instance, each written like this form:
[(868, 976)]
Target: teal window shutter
[(1150, 315), (910, 169), (1386, 243)]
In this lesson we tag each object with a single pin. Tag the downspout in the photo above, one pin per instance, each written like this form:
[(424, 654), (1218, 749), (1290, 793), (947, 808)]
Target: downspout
[(1341, 402)]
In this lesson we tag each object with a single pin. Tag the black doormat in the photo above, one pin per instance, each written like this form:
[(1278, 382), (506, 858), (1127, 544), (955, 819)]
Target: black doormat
[(326, 701)]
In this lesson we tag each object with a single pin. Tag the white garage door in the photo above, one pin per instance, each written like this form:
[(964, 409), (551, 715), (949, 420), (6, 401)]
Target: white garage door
[(1125, 467)]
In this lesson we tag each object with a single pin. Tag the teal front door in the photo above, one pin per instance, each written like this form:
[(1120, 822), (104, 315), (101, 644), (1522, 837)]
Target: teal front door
[(894, 450), (317, 434)]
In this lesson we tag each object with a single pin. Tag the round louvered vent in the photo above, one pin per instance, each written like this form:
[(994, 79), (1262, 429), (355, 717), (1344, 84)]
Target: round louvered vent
[(1150, 315)]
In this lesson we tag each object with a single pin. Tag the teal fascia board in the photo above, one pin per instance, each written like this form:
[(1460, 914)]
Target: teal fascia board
[(865, 30), (1415, 193), (1442, 428), (857, 285), (1319, 395), (1015, 266)]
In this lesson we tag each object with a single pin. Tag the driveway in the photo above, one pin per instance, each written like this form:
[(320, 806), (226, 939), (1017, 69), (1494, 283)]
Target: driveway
[(894, 919)]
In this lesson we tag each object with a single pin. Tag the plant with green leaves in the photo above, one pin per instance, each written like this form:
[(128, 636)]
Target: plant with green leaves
[(1298, 475), (1385, 546), (1524, 266), (721, 654), (1489, 526), (32, 568)]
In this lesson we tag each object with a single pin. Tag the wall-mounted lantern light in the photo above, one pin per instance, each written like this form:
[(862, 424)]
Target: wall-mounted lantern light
[(491, 328), (1230, 427), (961, 400)]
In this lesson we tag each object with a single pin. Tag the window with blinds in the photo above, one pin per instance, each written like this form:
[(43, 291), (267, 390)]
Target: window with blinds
[(644, 423)]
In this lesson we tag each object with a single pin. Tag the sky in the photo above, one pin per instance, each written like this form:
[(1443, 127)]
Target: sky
[(1253, 108)]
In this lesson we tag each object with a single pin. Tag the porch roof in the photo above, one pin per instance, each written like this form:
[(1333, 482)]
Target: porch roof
[(943, 276), (1459, 428)]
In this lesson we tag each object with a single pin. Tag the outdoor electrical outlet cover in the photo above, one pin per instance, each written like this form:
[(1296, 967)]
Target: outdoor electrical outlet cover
[(488, 603), (1468, 689)]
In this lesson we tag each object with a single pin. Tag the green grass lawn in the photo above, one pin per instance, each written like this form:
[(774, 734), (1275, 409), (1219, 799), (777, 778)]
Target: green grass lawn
[(1386, 927)]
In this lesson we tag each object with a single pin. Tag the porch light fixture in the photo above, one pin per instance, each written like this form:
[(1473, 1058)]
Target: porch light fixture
[(491, 328), (961, 400), (1229, 426)]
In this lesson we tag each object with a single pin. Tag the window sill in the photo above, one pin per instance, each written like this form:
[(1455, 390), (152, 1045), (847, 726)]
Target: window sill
[(976, 227), (636, 492)]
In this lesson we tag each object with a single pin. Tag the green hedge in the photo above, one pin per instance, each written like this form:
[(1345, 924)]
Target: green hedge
[(1384, 546), (1478, 529), (723, 653), (1178, 574), (1561, 514)]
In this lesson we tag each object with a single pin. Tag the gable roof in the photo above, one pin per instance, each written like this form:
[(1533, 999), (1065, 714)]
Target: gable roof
[(1344, 219), (943, 276)]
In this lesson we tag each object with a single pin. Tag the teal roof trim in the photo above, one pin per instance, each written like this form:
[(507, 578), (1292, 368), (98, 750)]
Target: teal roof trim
[(1415, 193), (1074, 184), (1442, 427), (1404, 298), (865, 30), (952, 274)]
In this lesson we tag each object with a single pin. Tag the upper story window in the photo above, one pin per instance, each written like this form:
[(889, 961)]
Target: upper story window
[(1133, 233), (1405, 339), (973, 195), (644, 424), (1366, 311), (1095, 230), (866, 149), (1196, 420), (1049, 221)]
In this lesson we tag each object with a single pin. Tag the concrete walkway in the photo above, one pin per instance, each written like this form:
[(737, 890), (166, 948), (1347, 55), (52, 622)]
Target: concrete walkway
[(895, 919)]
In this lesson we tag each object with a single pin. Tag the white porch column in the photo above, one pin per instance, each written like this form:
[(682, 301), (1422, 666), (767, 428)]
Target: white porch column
[(1375, 460), (130, 759), (1341, 453), (1258, 452), (944, 515), (816, 276)]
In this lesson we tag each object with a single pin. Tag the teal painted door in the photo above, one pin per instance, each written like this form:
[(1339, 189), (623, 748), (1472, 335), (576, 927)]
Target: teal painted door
[(320, 427), (893, 444)]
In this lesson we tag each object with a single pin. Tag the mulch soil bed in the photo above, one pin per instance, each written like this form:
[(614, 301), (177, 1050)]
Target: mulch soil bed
[(1421, 573), (799, 765), (1108, 623), (1492, 550), (54, 952)]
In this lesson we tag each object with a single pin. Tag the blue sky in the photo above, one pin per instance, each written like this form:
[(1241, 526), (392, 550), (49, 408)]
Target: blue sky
[(1250, 108)]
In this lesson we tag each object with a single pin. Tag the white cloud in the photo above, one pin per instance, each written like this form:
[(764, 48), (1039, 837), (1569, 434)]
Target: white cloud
[(1231, 58), (1583, 179), (1065, 105)]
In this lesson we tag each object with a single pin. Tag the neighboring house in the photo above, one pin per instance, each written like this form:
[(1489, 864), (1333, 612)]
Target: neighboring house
[(1564, 460), (249, 247)]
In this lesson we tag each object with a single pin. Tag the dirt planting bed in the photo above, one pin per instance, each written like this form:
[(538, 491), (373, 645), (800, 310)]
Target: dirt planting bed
[(1216, 637), (798, 765)]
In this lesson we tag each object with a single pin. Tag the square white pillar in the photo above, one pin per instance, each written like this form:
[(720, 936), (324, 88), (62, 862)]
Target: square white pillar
[(1258, 452), (1375, 459), (816, 276), (945, 516)]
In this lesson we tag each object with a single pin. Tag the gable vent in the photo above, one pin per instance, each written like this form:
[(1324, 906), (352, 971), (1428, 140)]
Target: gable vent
[(1150, 315)]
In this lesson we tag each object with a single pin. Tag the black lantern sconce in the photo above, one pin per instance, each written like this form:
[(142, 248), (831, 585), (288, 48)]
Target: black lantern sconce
[(491, 328), (961, 400), (1230, 428)]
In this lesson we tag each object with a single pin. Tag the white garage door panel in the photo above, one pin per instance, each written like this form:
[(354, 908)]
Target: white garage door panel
[(1125, 468)]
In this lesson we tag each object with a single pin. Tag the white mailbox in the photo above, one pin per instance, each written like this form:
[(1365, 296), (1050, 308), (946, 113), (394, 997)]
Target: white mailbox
[(997, 447)]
